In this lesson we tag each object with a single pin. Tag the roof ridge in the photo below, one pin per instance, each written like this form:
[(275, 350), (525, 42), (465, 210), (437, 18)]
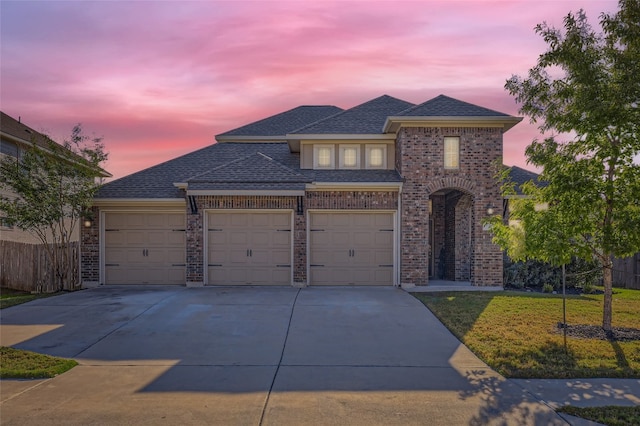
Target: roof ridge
[(449, 98), (344, 111), (220, 166)]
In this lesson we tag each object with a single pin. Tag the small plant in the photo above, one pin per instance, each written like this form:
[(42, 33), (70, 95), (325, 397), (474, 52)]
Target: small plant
[(547, 288)]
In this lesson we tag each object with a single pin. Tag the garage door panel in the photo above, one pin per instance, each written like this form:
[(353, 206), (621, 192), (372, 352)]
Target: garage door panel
[(239, 237), (281, 238), (249, 248), (354, 248), (239, 220), (330, 276), (144, 248)]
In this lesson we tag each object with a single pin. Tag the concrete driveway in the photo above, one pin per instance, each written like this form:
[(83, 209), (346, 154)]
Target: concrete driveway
[(251, 356)]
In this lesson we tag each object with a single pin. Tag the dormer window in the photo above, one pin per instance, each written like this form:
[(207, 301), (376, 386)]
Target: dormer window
[(349, 156), (323, 157), (376, 156)]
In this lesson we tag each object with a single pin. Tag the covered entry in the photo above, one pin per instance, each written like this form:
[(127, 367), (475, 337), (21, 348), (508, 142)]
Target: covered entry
[(451, 234), (249, 248), (351, 248), (144, 248)]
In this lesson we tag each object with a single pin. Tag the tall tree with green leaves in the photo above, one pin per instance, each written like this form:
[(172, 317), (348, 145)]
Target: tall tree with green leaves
[(585, 92), (50, 187)]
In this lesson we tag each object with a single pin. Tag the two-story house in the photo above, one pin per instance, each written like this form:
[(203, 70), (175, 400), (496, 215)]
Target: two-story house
[(384, 193)]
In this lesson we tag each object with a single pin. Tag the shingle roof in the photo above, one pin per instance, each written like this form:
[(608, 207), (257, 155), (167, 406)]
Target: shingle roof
[(444, 106), (255, 167), (285, 122), (519, 176), (213, 162), (366, 118)]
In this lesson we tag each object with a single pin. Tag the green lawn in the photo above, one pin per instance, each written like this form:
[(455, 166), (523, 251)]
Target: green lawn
[(19, 364), (515, 332), (609, 415), (10, 297)]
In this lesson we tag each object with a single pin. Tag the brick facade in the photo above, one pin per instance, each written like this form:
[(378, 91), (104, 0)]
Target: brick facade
[(420, 161), (459, 249)]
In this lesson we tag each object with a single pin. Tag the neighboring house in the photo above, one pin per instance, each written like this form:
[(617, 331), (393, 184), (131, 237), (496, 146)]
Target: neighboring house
[(384, 193), (15, 138)]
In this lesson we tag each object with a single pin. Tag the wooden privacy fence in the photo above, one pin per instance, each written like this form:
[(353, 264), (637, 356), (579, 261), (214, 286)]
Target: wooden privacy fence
[(27, 267), (626, 272)]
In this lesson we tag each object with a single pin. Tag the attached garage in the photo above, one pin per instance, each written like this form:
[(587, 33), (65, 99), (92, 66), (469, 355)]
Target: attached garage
[(144, 248), (249, 248), (349, 248)]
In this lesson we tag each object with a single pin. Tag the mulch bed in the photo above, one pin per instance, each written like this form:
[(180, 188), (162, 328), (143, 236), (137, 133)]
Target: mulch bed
[(580, 331)]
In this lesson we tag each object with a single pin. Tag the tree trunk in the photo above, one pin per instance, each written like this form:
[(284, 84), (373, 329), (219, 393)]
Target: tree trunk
[(607, 275)]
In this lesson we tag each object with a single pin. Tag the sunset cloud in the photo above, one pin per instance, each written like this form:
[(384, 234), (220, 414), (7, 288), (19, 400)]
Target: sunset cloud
[(159, 79)]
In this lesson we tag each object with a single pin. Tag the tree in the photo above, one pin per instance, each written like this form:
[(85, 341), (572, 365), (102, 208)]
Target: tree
[(586, 88), (51, 186)]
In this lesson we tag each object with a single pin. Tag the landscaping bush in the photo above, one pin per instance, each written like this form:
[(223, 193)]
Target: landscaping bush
[(581, 275)]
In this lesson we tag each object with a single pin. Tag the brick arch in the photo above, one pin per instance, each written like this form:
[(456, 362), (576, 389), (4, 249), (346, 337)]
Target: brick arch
[(454, 182)]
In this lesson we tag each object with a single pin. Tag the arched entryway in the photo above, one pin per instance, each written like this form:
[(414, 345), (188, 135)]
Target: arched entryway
[(451, 235)]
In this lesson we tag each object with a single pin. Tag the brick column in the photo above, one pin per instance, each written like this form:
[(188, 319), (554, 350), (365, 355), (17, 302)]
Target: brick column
[(195, 252), (90, 251), (300, 250)]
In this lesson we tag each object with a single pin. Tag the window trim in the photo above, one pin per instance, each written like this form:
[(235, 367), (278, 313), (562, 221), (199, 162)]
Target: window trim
[(447, 153), (332, 157), (371, 147), (342, 149)]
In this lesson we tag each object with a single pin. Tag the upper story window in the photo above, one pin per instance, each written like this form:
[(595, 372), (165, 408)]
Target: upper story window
[(323, 157), (349, 156), (452, 152), (376, 156)]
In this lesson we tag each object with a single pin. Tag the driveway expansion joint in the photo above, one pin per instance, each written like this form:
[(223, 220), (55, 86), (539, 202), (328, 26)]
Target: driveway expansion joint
[(284, 345)]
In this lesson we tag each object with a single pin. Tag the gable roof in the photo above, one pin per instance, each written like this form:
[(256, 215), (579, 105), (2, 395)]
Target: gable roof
[(285, 122), (366, 118), (255, 167), (443, 110), (444, 106)]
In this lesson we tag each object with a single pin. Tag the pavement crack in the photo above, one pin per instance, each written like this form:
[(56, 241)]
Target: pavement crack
[(284, 345)]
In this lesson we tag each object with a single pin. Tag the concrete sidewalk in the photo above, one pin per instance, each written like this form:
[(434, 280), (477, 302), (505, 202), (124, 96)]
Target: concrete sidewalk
[(254, 356)]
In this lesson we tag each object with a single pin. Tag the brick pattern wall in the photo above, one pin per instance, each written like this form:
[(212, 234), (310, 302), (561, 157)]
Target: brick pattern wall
[(90, 249), (345, 200), (420, 161)]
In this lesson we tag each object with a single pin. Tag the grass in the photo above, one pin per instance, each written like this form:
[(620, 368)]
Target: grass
[(19, 364), (10, 297), (515, 332), (609, 415)]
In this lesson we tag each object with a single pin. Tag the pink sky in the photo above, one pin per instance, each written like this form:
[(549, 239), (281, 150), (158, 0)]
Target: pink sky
[(160, 79)]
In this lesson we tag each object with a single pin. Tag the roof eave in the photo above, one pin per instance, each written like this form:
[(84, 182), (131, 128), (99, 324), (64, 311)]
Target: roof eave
[(343, 186), (250, 139), (393, 123), (138, 202)]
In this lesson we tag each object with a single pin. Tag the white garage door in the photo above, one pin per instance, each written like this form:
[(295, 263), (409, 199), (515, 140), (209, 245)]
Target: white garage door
[(144, 248), (351, 248), (249, 248)]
